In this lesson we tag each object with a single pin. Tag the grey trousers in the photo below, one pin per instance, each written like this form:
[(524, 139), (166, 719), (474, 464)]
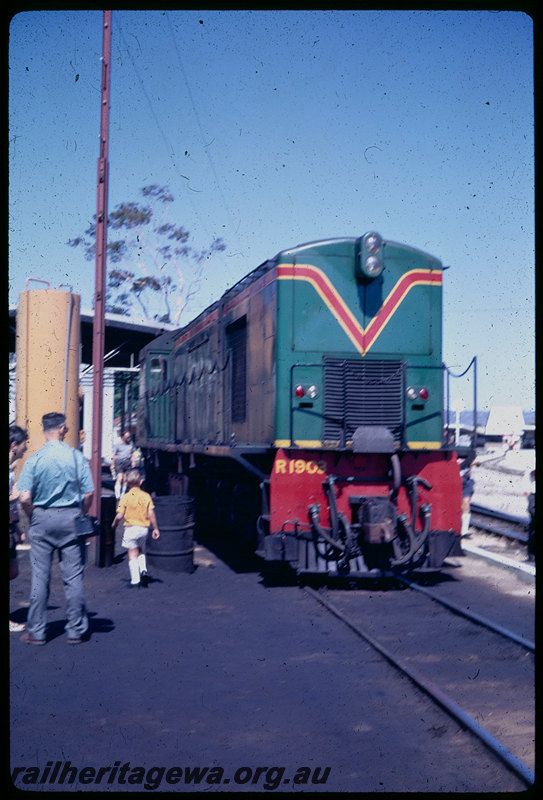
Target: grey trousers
[(52, 529)]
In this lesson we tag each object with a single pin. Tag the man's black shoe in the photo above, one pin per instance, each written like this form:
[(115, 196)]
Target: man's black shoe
[(29, 639), (77, 639)]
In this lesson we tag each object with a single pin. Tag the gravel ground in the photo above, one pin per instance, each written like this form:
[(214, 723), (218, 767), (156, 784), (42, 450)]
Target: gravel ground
[(217, 670)]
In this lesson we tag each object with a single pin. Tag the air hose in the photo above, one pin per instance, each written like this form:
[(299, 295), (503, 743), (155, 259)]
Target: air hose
[(314, 517), (416, 540)]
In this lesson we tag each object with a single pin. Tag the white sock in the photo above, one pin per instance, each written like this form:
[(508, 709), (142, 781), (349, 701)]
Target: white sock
[(142, 562), (133, 566), (465, 523)]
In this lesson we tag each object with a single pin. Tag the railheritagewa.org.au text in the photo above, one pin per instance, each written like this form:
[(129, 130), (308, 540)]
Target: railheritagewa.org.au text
[(151, 778)]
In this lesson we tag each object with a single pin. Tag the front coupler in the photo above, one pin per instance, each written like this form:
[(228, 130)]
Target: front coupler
[(381, 536)]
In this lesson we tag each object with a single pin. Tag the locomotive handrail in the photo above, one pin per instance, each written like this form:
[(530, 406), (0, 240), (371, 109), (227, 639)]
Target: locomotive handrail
[(445, 413), (461, 374), (365, 409), (450, 374), (343, 420), (292, 407)]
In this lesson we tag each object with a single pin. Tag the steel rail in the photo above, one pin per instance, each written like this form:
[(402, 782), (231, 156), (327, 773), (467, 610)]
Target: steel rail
[(499, 516), (477, 618), (440, 698), (479, 521), (489, 528)]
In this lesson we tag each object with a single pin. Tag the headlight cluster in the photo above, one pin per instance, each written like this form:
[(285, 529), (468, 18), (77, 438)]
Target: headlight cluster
[(370, 256)]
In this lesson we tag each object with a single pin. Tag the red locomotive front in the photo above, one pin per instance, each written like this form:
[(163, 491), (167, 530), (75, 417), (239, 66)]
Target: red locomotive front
[(360, 512)]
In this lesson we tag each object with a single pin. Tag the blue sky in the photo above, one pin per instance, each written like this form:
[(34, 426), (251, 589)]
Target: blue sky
[(273, 128)]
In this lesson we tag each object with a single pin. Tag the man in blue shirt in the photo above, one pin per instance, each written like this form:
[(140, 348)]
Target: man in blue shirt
[(53, 483)]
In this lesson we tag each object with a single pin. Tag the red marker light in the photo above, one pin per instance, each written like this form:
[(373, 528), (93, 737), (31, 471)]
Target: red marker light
[(299, 391), (424, 394)]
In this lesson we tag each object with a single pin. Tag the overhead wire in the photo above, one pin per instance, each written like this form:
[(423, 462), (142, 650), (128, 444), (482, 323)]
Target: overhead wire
[(168, 145), (197, 117)]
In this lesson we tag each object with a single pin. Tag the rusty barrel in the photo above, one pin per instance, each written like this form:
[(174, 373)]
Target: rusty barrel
[(173, 551)]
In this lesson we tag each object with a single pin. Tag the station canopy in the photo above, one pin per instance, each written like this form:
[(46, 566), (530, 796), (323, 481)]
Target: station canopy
[(124, 337)]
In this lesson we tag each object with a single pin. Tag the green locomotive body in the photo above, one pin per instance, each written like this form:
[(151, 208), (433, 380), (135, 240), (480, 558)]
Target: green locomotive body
[(307, 404)]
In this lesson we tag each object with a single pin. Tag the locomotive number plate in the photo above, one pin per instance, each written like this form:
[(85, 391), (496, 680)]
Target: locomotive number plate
[(299, 466)]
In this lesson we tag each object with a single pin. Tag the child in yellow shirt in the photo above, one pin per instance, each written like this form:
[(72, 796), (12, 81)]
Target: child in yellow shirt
[(136, 507)]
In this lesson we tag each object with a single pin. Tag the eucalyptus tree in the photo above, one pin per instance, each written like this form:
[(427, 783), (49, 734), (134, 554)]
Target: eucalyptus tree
[(151, 263)]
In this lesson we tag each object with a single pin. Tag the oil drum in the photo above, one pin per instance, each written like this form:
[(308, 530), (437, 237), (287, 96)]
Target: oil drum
[(173, 551)]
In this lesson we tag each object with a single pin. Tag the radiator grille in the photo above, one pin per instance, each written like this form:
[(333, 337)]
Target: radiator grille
[(362, 393)]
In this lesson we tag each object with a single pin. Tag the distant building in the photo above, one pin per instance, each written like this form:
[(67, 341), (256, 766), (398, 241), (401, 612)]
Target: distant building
[(505, 423)]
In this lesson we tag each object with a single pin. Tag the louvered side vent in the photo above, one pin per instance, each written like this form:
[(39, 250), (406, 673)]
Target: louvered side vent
[(362, 393), (237, 344)]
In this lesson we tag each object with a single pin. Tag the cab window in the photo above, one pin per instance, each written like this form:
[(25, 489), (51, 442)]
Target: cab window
[(158, 373)]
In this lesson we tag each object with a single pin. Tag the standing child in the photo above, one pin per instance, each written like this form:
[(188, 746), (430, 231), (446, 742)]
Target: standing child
[(121, 462), (136, 507)]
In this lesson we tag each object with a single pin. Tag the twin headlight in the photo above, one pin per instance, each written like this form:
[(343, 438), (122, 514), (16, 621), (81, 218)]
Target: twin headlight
[(370, 256)]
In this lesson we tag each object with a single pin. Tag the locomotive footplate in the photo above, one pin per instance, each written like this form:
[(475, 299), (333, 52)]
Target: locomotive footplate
[(306, 555), (278, 547)]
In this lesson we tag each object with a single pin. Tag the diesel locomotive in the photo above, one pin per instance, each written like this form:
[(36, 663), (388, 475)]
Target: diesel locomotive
[(304, 411)]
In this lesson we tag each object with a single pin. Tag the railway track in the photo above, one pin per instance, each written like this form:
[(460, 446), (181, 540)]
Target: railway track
[(478, 619), (478, 672), (499, 537), (499, 523)]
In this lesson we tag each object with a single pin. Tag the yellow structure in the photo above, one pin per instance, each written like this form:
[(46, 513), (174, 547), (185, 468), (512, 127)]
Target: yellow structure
[(48, 356)]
